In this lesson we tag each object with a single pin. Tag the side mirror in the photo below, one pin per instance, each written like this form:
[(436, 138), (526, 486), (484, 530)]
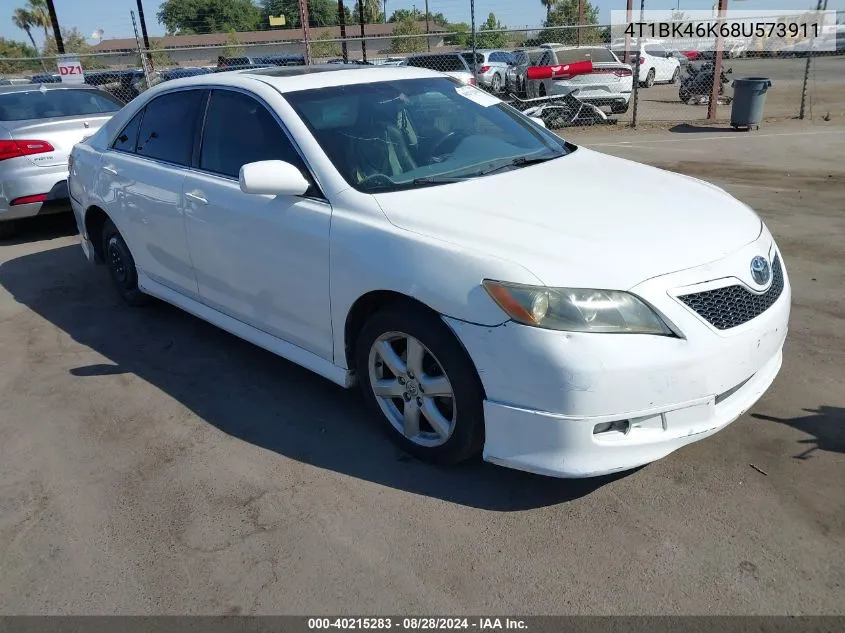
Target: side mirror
[(538, 121), (272, 177)]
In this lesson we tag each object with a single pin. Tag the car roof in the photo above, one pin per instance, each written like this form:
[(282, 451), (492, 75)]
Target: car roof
[(293, 78), (38, 86)]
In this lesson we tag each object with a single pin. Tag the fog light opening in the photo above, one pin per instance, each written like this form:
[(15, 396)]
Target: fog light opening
[(618, 426)]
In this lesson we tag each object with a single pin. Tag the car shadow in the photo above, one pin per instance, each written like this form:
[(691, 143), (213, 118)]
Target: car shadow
[(41, 227), (826, 425), (252, 394), (688, 128)]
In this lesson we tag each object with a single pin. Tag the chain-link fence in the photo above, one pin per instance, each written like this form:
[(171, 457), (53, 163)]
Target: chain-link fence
[(566, 75)]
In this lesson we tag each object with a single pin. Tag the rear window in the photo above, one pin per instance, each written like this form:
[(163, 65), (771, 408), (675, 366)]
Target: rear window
[(479, 58), (47, 104), (443, 63), (598, 55)]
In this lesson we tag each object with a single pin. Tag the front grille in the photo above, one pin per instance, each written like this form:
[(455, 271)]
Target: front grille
[(731, 306)]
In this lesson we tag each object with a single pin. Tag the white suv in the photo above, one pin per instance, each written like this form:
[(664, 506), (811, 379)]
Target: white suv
[(657, 64)]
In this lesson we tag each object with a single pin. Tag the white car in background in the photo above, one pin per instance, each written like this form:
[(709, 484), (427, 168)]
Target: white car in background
[(657, 63), (608, 85), (471, 271), (492, 68), (453, 64)]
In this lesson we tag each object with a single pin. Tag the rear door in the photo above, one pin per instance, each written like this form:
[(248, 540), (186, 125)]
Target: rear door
[(143, 175), (664, 65)]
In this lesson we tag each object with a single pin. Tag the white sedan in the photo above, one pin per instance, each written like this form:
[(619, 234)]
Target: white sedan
[(470, 270)]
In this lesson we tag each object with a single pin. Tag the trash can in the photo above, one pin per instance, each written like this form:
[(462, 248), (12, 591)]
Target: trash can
[(749, 99)]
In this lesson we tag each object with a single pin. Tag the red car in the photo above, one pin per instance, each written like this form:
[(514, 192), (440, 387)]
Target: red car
[(691, 55)]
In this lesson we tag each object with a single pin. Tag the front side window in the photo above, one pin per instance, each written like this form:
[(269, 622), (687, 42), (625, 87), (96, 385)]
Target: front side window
[(393, 135), (169, 126), (240, 130), (48, 104)]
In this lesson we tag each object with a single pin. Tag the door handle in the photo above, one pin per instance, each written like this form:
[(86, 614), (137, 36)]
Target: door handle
[(196, 196), (110, 170)]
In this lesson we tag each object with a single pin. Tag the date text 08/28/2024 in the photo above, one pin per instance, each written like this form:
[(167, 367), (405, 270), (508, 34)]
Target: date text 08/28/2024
[(417, 623)]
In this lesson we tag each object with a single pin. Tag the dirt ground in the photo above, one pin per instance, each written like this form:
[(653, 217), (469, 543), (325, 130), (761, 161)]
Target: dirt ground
[(825, 91), (150, 463)]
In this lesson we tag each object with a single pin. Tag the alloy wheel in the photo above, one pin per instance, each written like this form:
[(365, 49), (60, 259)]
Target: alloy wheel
[(412, 389)]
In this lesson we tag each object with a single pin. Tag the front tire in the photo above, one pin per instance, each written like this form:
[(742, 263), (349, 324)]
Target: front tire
[(675, 76), (421, 383), (121, 266)]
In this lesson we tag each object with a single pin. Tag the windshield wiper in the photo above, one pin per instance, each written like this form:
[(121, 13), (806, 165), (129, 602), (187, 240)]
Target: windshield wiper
[(519, 161)]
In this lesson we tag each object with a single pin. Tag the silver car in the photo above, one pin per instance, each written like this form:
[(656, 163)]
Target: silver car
[(492, 67), (39, 125)]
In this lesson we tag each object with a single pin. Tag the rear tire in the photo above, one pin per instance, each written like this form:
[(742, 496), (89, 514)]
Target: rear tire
[(649, 79), (121, 266), (675, 76), (443, 429), (619, 108), (496, 84)]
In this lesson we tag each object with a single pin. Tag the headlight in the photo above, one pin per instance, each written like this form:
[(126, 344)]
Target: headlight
[(576, 309)]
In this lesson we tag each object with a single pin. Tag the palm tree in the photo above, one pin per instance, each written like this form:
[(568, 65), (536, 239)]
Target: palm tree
[(549, 4), (23, 19), (40, 15)]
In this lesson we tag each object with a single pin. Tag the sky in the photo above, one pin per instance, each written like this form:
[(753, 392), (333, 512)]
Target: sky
[(113, 15)]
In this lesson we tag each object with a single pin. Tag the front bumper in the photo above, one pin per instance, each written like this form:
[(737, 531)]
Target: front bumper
[(547, 391)]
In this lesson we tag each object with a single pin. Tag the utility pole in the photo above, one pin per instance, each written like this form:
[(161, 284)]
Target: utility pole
[(427, 38), (144, 32), (472, 19), (303, 18), (363, 38), (580, 19), (341, 19), (57, 32), (717, 65)]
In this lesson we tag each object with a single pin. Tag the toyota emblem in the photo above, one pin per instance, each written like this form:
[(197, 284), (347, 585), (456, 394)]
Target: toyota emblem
[(761, 272)]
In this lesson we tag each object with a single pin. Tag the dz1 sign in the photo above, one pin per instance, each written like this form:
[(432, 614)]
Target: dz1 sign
[(70, 70)]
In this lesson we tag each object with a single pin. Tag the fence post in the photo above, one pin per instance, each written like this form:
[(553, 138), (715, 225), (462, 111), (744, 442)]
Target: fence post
[(472, 20), (363, 36), (341, 18), (637, 65), (713, 106), (807, 68)]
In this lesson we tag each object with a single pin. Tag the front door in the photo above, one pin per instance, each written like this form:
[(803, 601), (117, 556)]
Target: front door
[(261, 259)]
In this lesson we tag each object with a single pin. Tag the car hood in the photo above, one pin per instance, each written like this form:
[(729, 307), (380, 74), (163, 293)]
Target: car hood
[(583, 220)]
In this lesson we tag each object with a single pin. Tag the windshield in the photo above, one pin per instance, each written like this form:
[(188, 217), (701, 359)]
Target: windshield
[(46, 104), (394, 135)]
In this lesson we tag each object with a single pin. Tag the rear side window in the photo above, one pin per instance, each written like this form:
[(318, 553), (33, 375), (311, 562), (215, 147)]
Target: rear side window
[(226, 147), (47, 104), (169, 126), (443, 63), (125, 141), (656, 50)]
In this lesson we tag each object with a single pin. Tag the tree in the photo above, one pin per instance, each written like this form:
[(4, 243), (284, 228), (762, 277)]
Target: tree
[(187, 17), (565, 13), (677, 16), (400, 15), (320, 13), (74, 42), (549, 4), (23, 19), (460, 34), (372, 12), (487, 39), (40, 15), (403, 40), (12, 48), (325, 49), (233, 45)]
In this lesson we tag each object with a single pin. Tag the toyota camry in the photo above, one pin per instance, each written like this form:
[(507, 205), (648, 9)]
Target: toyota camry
[(472, 272)]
